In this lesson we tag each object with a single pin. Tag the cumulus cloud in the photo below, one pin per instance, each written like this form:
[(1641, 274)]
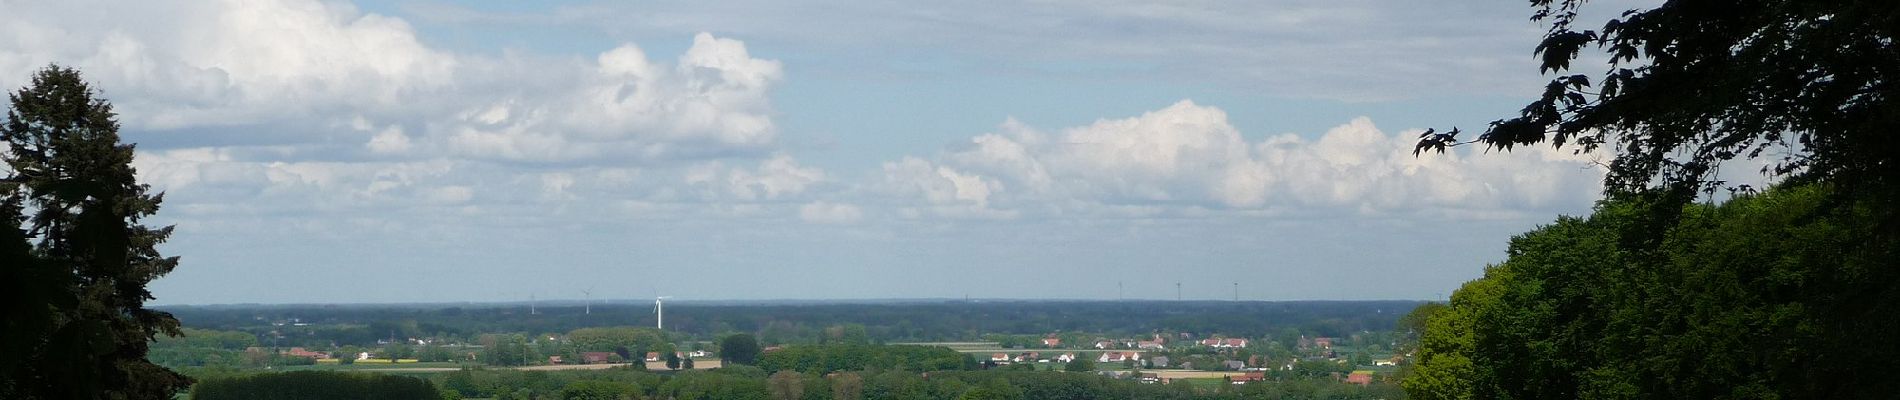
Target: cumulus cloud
[(1188, 157), (830, 213), (306, 68), (774, 178)]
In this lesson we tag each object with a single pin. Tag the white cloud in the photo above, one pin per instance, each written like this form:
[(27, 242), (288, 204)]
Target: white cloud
[(774, 178), (389, 141), (1187, 157), (830, 213), (1354, 50), (303, 67)]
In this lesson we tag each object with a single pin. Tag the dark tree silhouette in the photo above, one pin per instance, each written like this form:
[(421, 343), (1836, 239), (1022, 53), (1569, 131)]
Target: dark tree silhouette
[(739, 348), (1692, 83), (1774, 294), (77, 258)]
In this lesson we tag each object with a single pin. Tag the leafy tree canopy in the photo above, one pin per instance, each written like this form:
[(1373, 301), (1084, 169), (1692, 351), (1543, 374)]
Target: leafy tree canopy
[(1692, 83)]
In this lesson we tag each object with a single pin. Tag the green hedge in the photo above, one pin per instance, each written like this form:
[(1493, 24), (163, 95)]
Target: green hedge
[(313, 385)]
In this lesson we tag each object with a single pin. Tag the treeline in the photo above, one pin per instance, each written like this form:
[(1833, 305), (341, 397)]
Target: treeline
[(745, 382), (823, 359), (314, 385), (807, 323), (1786, 294)]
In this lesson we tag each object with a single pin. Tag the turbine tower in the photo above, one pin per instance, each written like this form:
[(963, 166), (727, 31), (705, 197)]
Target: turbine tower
[(588, 296), (659, 312)]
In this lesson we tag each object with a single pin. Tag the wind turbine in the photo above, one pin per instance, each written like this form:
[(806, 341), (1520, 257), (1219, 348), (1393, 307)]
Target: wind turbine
[(659, 312), (588, 296)]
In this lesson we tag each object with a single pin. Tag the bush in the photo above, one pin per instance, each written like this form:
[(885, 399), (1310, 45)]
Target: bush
[(314, 385)]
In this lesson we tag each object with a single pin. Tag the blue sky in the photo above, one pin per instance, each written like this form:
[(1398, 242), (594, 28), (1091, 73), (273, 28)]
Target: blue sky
[(493, 151)]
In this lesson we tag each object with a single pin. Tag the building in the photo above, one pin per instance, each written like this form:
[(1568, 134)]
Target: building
[(554, 359), (1233, 343), (1051, 341), (596, 357), (1066, 357), (1324, 343), (1104, 344), (1158, 362), (1148, 344), (1360, 377), (1243, 379), (1028, 357), (301, 352), (653, 356), (1118, 356), (1000, 357)]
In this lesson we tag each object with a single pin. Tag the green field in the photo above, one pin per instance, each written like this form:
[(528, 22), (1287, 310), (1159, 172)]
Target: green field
[(372, 366)]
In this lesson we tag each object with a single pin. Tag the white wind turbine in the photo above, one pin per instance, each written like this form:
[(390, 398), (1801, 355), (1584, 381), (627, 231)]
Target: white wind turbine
[(659, 312), (588, 298)]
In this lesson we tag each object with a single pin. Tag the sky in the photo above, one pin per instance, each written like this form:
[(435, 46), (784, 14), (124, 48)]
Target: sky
[(434, 151)]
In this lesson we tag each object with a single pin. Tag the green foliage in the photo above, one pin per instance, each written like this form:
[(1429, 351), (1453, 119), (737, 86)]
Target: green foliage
[(636, 340), (73, 281), (710, 385), (314, 385), (739, 348), (994, 389), (1690, 84), (786, 385), (1760, 297), (508, 350), (1080, 364), (599, 390), (821, 359), (207, 338)]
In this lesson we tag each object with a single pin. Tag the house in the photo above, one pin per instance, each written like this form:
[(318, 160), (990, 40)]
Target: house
[(1211, 342), (1233, 365), (1051, 341), (554, 359), (300, 352), (653, 356), (700, 353), (1324, 342), (1118, 356), (1360, 377), (1385, 362), (1000, 357), (1233, 343), (364, 356), (1243, 379), (1158, 362), (1148, 344), (596, 357), (1027, 357), (1066, 357), (1104, 344), (1150, 377)]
